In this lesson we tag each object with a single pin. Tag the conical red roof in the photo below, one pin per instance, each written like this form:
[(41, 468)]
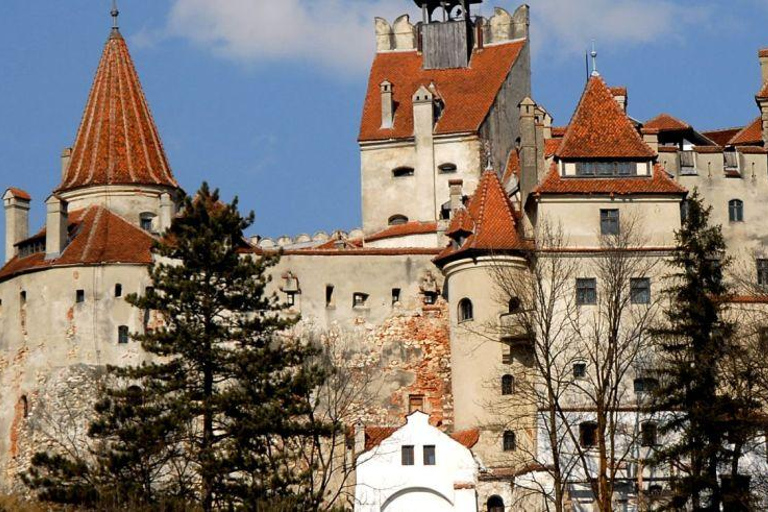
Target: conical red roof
[(489, 220), (118, 142), (601, 129)]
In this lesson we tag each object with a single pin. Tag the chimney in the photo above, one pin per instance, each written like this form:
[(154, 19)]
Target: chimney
[(528, 157), (651, 137), (387, 105), (56, 224), (166, 212), (762, 96), (763, 55), (359, 438), (457, 194), (423, 112), (16, 203), (66, 156), (620, 94)]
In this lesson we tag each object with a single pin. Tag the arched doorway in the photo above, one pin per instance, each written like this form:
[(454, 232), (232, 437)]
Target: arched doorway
[(495, 504)]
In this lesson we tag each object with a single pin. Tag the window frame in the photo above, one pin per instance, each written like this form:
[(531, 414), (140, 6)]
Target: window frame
[(118, 290), (582, 289), (360, 300), (429, 450), (735, 210), (509, 441), (447, 168), (123, 335), (582, 370), (635, 290), (403, 171), (610, 222), (649, 434), (79, 296), (397, 219), (507, 385), (761, 264), (465, 311), (587, 432), (407, 455), (396, 295)]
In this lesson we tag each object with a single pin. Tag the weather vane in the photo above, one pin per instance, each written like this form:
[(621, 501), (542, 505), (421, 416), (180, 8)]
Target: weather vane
[(594, 60), (115, 13)]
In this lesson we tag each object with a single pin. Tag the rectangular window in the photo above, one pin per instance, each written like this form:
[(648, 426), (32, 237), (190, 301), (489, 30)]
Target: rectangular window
[(606, 169), (329, 295), (290, 299), (640, 290), (609, 222), (122, 334), (762, 272), (430, 298), (648, 433), (579, 370), (146, 224), (407, 455), (429, 455), (118, 290), (79, 296), (586, 291), (415, 403), (359, 300), (588, 434), (23, 297), (395, 295)]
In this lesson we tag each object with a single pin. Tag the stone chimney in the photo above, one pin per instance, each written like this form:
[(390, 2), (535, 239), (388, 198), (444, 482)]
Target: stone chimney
[(166, 212), (457, 194), (66, 156), (528, 156), (651, 137), (423, 131), (56, 224), (16, 203), (387, 104), (763, 55)]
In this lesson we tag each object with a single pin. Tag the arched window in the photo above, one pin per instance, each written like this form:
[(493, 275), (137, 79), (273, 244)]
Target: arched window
[(447, 168), (465, 310), (510, 441), (507, 385), (402, 172), (122, 334), (495, 504), (397, 220), (134, 395), (514, 305), (736, 210)]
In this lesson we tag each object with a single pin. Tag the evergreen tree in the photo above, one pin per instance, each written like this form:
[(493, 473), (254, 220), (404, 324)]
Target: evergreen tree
[(694, 399), (217, 414)]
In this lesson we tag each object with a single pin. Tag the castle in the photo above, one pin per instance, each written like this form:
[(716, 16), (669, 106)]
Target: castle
[(461, 169)]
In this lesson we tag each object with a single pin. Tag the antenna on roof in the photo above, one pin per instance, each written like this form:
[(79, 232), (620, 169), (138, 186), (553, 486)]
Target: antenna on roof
[(594, 60), (115, 13)]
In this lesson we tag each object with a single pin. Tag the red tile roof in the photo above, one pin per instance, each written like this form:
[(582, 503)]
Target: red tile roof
[(722, 137), (749, 135), (658, 183), (19, 194), (668, 149), (601, 129), (762, 52), (494, 227), (752, 150), (374, 436), (409, 228), (551, 146), (99, 237), (468, 93), (118, 142), (462, 223), (708, 149), (667, 123), (559, 131)]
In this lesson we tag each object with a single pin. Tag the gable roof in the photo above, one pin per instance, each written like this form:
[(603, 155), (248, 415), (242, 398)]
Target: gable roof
[(723, 136), (490, 220), (749, 135), (468, 93), (117, 142), (659, 183), (97, 236), (600, 128)]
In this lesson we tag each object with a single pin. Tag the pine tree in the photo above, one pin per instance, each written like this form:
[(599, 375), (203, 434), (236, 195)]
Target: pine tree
[(694, 401), (216, 416)]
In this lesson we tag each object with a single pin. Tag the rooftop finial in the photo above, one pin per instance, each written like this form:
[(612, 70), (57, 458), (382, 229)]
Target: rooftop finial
[(488, 150), (594, 60), (115, 13)]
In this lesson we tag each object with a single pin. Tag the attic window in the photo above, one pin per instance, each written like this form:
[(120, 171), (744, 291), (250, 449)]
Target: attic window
[(145, 221), (605, 169), (447, 168), (397, 220), (402, 172)]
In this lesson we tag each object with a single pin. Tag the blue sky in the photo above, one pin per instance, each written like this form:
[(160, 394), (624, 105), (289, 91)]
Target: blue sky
[(262, 98)]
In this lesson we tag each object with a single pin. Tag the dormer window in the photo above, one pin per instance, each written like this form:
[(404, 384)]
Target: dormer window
[(402, 172), (605, 169), (447, 168)]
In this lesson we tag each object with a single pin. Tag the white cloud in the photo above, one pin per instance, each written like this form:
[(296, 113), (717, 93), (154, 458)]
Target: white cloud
[(338, 34), (566, 27)]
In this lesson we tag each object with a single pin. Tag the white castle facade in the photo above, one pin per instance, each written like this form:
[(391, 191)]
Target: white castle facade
[(461, 172)]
